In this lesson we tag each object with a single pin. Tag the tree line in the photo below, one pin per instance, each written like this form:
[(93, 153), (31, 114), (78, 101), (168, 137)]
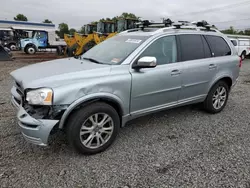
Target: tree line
[(63, 28), (233, 31)]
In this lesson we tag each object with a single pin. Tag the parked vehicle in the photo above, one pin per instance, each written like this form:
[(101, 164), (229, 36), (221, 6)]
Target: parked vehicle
[(241, 44), (42, 39), (132, 74), (12, 31)]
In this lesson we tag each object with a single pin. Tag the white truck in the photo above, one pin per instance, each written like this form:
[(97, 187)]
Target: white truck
[(43, 36), (242, 44)]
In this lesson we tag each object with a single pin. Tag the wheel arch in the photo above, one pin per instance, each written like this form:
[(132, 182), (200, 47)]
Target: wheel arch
[(110, 99), (30, 44), (225, 78)]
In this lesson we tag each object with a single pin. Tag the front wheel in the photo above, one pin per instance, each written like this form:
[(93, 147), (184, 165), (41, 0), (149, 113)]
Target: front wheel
[(92, 129), (217, 98), (30, 50)]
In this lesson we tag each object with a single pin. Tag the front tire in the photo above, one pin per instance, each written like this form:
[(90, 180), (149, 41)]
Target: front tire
[(93, 128), (30, 50), (217, 98)]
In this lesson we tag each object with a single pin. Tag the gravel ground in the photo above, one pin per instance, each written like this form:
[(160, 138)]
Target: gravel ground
[(183, 147)]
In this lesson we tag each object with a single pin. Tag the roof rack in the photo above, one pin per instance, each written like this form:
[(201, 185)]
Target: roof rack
[(168, 24), (147, 23)]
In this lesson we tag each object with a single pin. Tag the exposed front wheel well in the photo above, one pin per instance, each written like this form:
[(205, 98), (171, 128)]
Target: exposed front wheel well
[(111, 102)]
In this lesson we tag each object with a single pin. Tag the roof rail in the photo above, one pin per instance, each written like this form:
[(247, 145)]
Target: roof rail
[(167, 24), (147, 23)]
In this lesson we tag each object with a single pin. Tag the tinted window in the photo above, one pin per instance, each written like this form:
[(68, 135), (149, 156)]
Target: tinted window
[(191, 47), (163, 49), (218, 46)]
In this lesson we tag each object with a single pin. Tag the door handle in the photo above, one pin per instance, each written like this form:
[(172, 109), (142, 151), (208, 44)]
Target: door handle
[(212, 66), (175, 72)]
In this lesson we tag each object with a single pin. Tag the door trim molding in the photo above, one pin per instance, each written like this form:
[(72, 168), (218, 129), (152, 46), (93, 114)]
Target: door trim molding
[(166, 106)]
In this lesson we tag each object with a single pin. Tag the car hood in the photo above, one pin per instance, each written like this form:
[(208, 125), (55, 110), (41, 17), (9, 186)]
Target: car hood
[(58, 72)]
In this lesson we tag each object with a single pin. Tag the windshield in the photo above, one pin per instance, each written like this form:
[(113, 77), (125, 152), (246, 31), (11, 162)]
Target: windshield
[(114, 50)]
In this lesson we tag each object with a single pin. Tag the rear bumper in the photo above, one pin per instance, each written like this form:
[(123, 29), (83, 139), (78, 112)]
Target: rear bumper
[(35, 131)]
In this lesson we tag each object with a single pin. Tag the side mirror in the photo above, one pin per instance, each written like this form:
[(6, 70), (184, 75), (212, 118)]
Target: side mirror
[(145, 62)]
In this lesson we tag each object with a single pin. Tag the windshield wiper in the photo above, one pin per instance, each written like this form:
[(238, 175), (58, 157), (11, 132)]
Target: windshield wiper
[(93, 60)]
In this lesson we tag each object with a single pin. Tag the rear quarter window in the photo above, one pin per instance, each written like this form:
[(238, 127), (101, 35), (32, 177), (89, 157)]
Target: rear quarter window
[(218, 46)]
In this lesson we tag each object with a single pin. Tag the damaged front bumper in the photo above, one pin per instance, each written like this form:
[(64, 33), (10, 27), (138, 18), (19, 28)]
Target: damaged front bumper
[(35, 131)]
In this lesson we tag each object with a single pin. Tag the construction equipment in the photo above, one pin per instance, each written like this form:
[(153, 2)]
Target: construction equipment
[(95, 34), (125, 24), (5, 54), (71, 44)]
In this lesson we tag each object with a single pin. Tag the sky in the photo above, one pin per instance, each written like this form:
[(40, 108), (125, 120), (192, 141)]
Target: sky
[(76, 13)]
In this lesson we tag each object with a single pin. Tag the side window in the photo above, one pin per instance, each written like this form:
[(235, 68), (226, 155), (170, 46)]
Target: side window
[(234, 42), (191, 47), (218, 46), (163, 49), (40, 34)]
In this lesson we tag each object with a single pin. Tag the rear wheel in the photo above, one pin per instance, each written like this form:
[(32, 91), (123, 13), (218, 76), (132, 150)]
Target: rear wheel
[(243, 55), (217, 98), (92, 129), (60, 50), (12, 46)]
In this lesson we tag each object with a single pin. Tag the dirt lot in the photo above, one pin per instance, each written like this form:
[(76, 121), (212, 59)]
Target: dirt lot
[(184, 147)]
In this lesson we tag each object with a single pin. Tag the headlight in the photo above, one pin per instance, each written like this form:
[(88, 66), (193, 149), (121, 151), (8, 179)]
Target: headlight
[(5, 43), (40, 96)]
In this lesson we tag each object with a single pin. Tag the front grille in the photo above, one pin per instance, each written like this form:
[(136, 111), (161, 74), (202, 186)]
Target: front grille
[(19, 92), (18, 101)]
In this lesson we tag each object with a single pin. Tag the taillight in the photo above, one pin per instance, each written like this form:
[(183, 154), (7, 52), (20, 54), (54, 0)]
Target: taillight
[(240, 63)]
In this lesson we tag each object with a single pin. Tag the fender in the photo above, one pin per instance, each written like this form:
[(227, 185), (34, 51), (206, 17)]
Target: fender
[(31, 44), (219, 77), (87, 98)]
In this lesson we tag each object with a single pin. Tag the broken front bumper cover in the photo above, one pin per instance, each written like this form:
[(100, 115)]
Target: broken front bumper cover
[(35, 131)]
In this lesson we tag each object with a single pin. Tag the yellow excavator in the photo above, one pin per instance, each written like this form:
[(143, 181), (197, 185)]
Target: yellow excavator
[(95, 34)]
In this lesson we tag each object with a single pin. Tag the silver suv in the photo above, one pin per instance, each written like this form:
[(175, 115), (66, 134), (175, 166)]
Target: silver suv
[(135, 73)]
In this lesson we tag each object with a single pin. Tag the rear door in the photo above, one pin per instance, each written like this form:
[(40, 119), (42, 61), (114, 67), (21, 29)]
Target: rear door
[(198, 67)]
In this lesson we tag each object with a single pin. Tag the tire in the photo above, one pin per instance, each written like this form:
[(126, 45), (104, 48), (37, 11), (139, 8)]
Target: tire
[(71, 50), (210, 102), (81, 120), (30, 50), (12, 47), (60, 50), (243, 55)]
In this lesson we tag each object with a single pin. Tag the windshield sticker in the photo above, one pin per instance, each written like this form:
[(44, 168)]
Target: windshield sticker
[(115, 60), (136, 41)]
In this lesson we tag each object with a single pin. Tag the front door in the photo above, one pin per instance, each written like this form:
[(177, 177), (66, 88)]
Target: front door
[(42, 39), (159, 87)]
